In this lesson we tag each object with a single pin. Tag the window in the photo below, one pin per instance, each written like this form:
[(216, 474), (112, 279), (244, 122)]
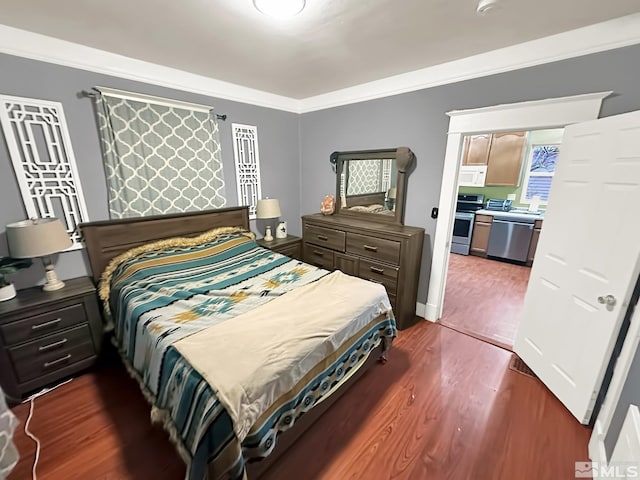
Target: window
[(541, 166)]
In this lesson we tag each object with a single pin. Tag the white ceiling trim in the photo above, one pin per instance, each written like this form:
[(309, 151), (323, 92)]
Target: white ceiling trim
[(600, 37), (620, 32), (31, 45)]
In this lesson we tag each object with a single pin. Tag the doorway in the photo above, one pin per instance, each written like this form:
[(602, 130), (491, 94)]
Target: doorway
[(541, 114), (503, 191)]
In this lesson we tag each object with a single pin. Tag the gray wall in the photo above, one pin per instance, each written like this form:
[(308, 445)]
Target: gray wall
[(277, 133)]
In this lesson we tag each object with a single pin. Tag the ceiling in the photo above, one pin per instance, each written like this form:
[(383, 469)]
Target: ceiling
[(332, 44)]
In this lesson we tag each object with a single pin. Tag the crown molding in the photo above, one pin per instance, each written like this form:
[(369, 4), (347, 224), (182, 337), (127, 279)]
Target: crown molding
[(22, 43), (617, 33), (600, 37)]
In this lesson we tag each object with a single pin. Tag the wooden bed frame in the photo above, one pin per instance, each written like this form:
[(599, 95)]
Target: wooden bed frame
[(109, 238), (106, 239)]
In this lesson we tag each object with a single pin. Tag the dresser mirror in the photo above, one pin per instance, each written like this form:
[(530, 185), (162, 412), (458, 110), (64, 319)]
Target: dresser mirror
[(371, 184)]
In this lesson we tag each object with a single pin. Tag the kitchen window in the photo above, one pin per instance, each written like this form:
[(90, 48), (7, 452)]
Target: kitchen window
[(541, 165)]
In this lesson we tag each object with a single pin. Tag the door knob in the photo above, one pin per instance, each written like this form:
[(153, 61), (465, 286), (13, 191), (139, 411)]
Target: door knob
[(607, 300)]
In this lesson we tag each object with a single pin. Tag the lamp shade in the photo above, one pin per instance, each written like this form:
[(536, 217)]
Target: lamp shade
[(38, 237), (391, 193), (268, 208)]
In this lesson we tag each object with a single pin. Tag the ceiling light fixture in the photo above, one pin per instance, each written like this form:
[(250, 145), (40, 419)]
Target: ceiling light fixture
[(485, 6), (279, 8)]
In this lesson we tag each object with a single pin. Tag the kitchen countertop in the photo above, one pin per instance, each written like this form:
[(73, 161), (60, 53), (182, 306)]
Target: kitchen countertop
[(514, 214)]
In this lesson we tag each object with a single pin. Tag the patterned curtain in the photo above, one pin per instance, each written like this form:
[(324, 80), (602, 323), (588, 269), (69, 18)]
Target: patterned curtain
[(159, 159)]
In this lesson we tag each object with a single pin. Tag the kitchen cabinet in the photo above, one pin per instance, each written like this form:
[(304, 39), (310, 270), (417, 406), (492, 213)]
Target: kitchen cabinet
[(480, 237), (501, 153), (537, 228), (505, 159), (476, 149)]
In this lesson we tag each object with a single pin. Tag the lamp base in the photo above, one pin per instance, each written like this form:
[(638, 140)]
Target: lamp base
[(268, 237), (53, 282)]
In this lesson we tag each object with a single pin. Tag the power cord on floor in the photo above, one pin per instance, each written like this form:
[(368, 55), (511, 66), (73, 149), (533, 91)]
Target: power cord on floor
[(32, 401), (28, 433)]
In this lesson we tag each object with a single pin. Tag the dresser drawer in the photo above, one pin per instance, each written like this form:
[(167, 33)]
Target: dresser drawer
[(372, 247), (377, 272), (325, 237), (392, 299), (43, 324), (318, 256)]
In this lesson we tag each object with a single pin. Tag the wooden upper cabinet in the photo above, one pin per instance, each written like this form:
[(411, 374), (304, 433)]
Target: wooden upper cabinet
[(476, 149), (505, 158)]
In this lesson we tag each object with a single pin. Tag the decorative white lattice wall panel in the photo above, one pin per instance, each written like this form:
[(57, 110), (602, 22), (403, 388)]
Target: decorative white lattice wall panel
[(247, 159), (42, 156)]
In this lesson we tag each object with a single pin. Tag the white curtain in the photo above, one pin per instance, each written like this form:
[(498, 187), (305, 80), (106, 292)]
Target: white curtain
[(159, 158)]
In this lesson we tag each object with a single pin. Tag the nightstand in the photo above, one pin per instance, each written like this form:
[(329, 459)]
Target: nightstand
[(45, 336), (290, 246)]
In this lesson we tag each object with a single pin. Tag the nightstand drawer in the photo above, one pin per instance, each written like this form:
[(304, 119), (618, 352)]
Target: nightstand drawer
[(52, 353), (379, 273), (292, 251), (43, 324), (51, 343), (373, 247), (325, 237)]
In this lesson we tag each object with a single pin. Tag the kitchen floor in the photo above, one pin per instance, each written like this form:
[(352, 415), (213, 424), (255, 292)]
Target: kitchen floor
[(484, 298)]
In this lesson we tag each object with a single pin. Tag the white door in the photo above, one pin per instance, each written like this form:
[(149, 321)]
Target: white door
[(587, 254)]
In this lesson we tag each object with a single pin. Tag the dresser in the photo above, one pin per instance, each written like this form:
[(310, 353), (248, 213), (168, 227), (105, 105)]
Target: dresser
[(388, 254), (46, 336)]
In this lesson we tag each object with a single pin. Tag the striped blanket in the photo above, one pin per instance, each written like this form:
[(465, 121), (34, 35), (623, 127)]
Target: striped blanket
[(204, 325)]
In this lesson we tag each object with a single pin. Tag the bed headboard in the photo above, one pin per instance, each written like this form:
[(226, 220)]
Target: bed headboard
[(106, 239)]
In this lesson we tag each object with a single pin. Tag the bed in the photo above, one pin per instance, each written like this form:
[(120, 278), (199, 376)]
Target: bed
[(237, 348)]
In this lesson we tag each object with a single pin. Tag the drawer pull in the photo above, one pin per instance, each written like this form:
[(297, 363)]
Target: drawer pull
[(51, 323), (370, 248), (319, 253), (377, 270), (56, 362), (375, 281), (322, 237), (53, 345)]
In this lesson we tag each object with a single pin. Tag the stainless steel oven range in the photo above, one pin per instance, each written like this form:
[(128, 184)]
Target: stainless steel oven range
[(463, 223)]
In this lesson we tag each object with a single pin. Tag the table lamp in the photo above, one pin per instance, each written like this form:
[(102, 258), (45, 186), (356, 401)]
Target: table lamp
[(39, 237), (268, 208)]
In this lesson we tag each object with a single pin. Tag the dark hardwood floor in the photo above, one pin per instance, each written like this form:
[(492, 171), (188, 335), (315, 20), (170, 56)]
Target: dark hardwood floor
[(484, 298), (445, 406)]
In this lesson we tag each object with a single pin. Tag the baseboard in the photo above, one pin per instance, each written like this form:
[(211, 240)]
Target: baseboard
[(431, 312), (421, 309), (597, 452)]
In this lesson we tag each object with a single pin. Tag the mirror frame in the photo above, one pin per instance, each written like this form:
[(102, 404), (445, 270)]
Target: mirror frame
[(404, 158)]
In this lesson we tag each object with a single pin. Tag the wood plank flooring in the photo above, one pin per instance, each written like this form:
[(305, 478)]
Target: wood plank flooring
[(445, 406), (484, 298)]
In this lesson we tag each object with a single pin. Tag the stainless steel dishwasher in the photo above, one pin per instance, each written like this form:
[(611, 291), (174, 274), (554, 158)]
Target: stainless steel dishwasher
[(510, 238)]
